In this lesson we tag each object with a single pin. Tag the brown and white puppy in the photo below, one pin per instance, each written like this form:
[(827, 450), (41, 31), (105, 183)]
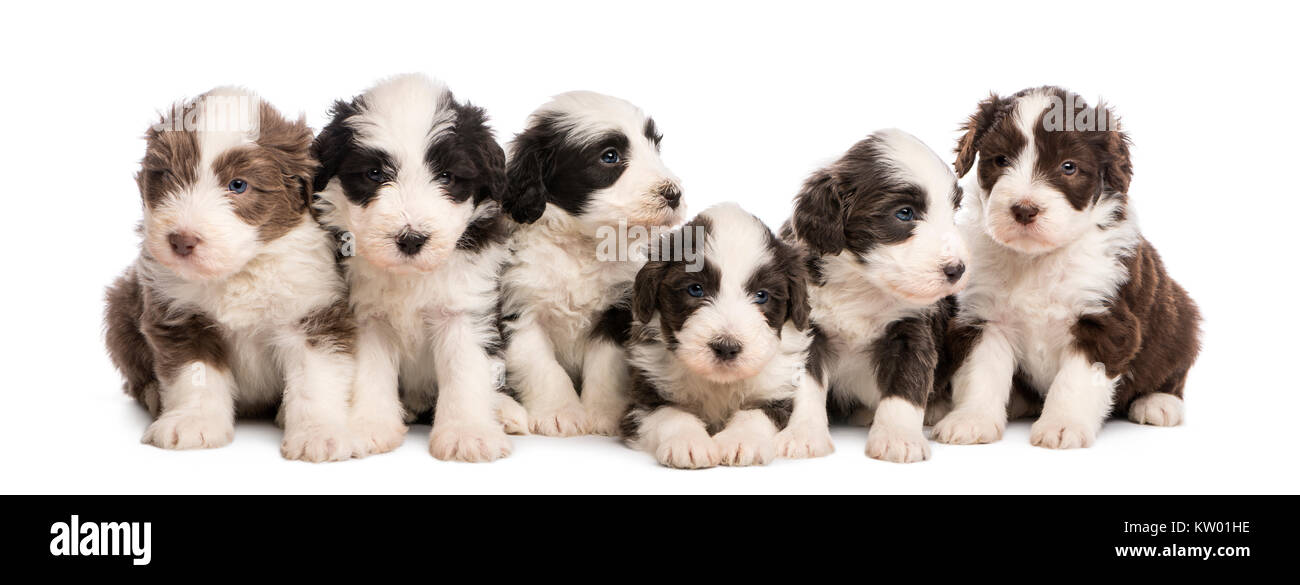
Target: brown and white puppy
[(717, 350), (234, 304), (1066, 298), (884, 253)]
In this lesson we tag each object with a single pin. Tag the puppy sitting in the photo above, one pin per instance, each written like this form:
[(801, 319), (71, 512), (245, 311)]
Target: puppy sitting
[(410, 179), (1066, 299), (583, 177), (883, 254), (234, 302), (717, 349)]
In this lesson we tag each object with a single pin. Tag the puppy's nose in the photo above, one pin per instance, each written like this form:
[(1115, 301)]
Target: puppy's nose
[(411, 242), (1024, 212), (725, 348), (672, 194), (182, 243), (954, 271)]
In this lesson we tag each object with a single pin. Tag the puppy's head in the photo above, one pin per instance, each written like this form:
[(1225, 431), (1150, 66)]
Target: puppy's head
[(594, 157), (405, 168), (1049, 167), (223, 175), (722, 307), (888, 205)]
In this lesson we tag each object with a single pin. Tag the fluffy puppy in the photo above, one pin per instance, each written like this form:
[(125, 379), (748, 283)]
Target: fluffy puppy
[(234, 303), (717, 350), (587, 186), (884, 253), (1067, 299), (411, 181)]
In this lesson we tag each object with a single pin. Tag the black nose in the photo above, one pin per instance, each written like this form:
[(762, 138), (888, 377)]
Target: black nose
[(410, 242), (725, 348), (1024, 213), (182, 243), (954, 271), (672, 194)]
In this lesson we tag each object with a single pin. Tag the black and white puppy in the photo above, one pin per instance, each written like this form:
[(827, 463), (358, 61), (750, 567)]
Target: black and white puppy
[(234, 305), (583, 176), (1067, 299), (718, 347), (884, 252), (411, 181)]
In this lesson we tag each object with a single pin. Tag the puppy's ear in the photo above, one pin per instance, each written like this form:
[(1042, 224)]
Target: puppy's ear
[(332, 144), (1118, 168), (986, 114), (290, 144), (819, 214), (472, 155), (796, 275), (645, 290), (527, 174)]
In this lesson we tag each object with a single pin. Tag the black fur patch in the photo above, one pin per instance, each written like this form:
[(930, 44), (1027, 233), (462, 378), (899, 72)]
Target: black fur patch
[(549, 165)]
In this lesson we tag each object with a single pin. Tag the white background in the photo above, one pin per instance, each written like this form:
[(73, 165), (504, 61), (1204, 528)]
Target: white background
[(751, 98)]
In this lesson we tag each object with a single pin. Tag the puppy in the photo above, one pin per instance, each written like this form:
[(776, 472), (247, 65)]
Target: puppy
[(585, 179), (234, 302), (411, 180), (1067, 299), (884, 252), (717, 350)]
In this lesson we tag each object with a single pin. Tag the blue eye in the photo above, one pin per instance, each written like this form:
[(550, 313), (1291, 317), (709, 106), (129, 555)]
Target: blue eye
[(375, 175), (760, 297), (905, 214), (695, 290), (237, 186), (609, 157)]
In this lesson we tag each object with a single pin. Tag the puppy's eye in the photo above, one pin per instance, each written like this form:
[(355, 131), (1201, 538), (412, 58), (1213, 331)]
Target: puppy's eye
[(695, 290), (444, 178), (375, 175), (905, 214), (1068, 167), (1002, 161), (760, 297), (609, 157), (237, 186)]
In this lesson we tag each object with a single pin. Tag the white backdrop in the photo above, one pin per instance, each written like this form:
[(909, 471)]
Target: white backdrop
[(751, 97)]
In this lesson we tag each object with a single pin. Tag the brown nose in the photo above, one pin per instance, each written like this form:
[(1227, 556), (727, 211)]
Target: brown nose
[(182, 243), (672, 194), (954, 271), (1025, 213), (725, 348)]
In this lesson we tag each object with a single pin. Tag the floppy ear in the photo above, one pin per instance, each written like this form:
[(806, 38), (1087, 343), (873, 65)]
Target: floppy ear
[(645, 290), (331, 145), (796, 275), (1118, 168), (988, 112), (819, 214), (527, 173), (289, 144), (473, 156)]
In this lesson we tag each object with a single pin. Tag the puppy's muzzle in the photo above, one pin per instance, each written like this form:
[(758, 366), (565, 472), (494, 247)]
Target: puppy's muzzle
[(410, 242), (725, 349)]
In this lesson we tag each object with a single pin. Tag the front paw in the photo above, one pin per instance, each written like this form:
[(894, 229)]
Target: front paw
[(897, 445), (317, 444), (372, 437), (739, 450), (969, 428), (468, 442), (1159, 409), (513, 417), (565, 421), (1061, 433), (689, 452), (190, 430), (800, 442), (604, 421)]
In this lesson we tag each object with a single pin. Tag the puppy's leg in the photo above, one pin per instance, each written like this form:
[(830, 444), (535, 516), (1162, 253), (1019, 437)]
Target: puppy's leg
[(675, 437), (465, 423), (198, 408), (376, 417), (1162, 408), (1076, 406), (896, 433), (981, 387), (544, 387), (905, 383), (748, 439), (807, 434), (318, 377), (604, 386)]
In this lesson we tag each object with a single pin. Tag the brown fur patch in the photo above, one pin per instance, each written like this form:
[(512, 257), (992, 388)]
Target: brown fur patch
[(332, 327), (127, 346), (178, 337)]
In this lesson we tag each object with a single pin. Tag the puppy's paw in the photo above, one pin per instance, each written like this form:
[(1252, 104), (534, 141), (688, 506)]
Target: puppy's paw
[(468, 442), (513, 417), (190, 430), (897, 445), (740, 449), (372, 436), (565, 421), (317, 444), (1061, 433), (802, 441), (604, 421), (968, 428), (1159, 409), (689, 452), (936, 410)]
